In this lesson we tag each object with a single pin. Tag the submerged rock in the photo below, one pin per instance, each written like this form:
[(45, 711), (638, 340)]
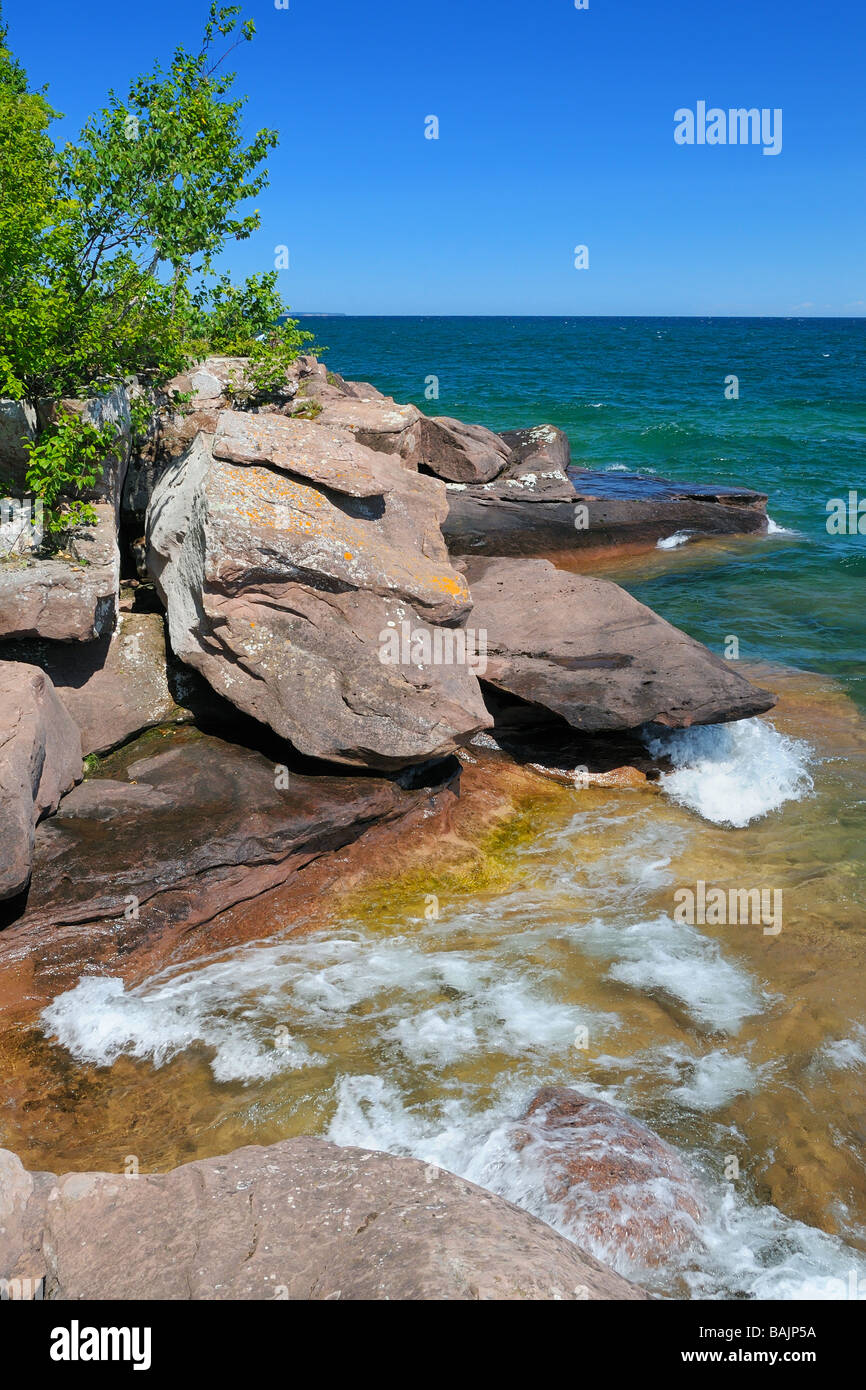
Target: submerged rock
[(281, 589), (40, 759), (617, 1186), (592, 654), (299, 1220)]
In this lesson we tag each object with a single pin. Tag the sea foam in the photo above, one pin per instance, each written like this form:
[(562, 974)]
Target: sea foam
[(732, 774), (676, 961), (672, 542)]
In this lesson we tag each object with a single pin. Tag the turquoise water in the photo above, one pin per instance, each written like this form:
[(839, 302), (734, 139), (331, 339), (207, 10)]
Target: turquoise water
[(648, 394)]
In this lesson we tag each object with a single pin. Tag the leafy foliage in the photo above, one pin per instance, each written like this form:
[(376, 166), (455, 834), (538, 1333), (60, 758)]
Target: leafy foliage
[(107, 249), (107, 246), (67, 460)]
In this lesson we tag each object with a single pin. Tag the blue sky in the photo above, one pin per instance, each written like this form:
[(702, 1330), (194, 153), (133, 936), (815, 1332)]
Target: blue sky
[(556, 129)]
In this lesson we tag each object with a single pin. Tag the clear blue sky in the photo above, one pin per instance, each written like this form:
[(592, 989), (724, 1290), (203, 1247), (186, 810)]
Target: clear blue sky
[(556, 128)]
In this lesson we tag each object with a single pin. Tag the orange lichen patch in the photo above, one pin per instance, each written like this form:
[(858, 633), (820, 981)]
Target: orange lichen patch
[(450, 584), (289, 516)]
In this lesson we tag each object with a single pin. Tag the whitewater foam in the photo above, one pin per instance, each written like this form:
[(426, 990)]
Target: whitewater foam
[(732, 774), (100, 1020), (716, 1079), (678, 962), (744, 1250), (672, 542)]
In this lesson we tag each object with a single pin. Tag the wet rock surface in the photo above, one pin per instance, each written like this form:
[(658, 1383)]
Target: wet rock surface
[(617, 1186), (114, 687), (540, 505), (302, 1219), (187, 833)]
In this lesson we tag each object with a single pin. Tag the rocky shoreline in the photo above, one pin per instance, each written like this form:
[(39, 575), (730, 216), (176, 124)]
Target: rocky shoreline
[(296, 631)]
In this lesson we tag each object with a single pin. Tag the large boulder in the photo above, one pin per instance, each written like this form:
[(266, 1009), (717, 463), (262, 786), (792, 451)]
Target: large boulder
[(17, 423), (437, 444), (40, 759), (283, 587), (114, 687), (208, 382), (543, 450), (375, 421), (529, 507), (20, 420), (299, 1220), (618, 1188), (587, 651), (189, 403), (455, 452), (72, 599), (328, 457), (108, 409)]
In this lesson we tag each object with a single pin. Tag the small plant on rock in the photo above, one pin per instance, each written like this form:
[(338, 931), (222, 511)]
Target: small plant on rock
[(67, 460)]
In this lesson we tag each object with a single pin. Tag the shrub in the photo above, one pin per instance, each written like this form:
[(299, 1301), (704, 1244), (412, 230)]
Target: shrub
[(106, 246), (66, 460)]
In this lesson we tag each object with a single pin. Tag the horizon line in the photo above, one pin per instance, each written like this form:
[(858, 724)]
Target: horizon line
[(782, 318)]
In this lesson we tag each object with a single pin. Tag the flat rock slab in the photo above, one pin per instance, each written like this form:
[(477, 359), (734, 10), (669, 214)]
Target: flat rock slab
[(538, 505), (71, 600), (301, 1219), (377, 421), (589, 652), (191, 831), (40, 759), (631, 507), (114, 687), (326, 456)]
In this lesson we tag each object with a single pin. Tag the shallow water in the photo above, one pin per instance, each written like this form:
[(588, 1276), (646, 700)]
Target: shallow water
[(427, 1035)]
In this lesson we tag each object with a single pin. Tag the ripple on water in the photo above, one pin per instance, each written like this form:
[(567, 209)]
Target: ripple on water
[(428, 1037)]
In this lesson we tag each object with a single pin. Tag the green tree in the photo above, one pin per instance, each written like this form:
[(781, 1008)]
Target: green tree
[(107, 247), (102, 244), (159, 177), (35, 234)]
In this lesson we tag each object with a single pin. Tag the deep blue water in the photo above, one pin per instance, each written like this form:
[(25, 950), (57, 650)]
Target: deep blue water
[(649, 394)]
